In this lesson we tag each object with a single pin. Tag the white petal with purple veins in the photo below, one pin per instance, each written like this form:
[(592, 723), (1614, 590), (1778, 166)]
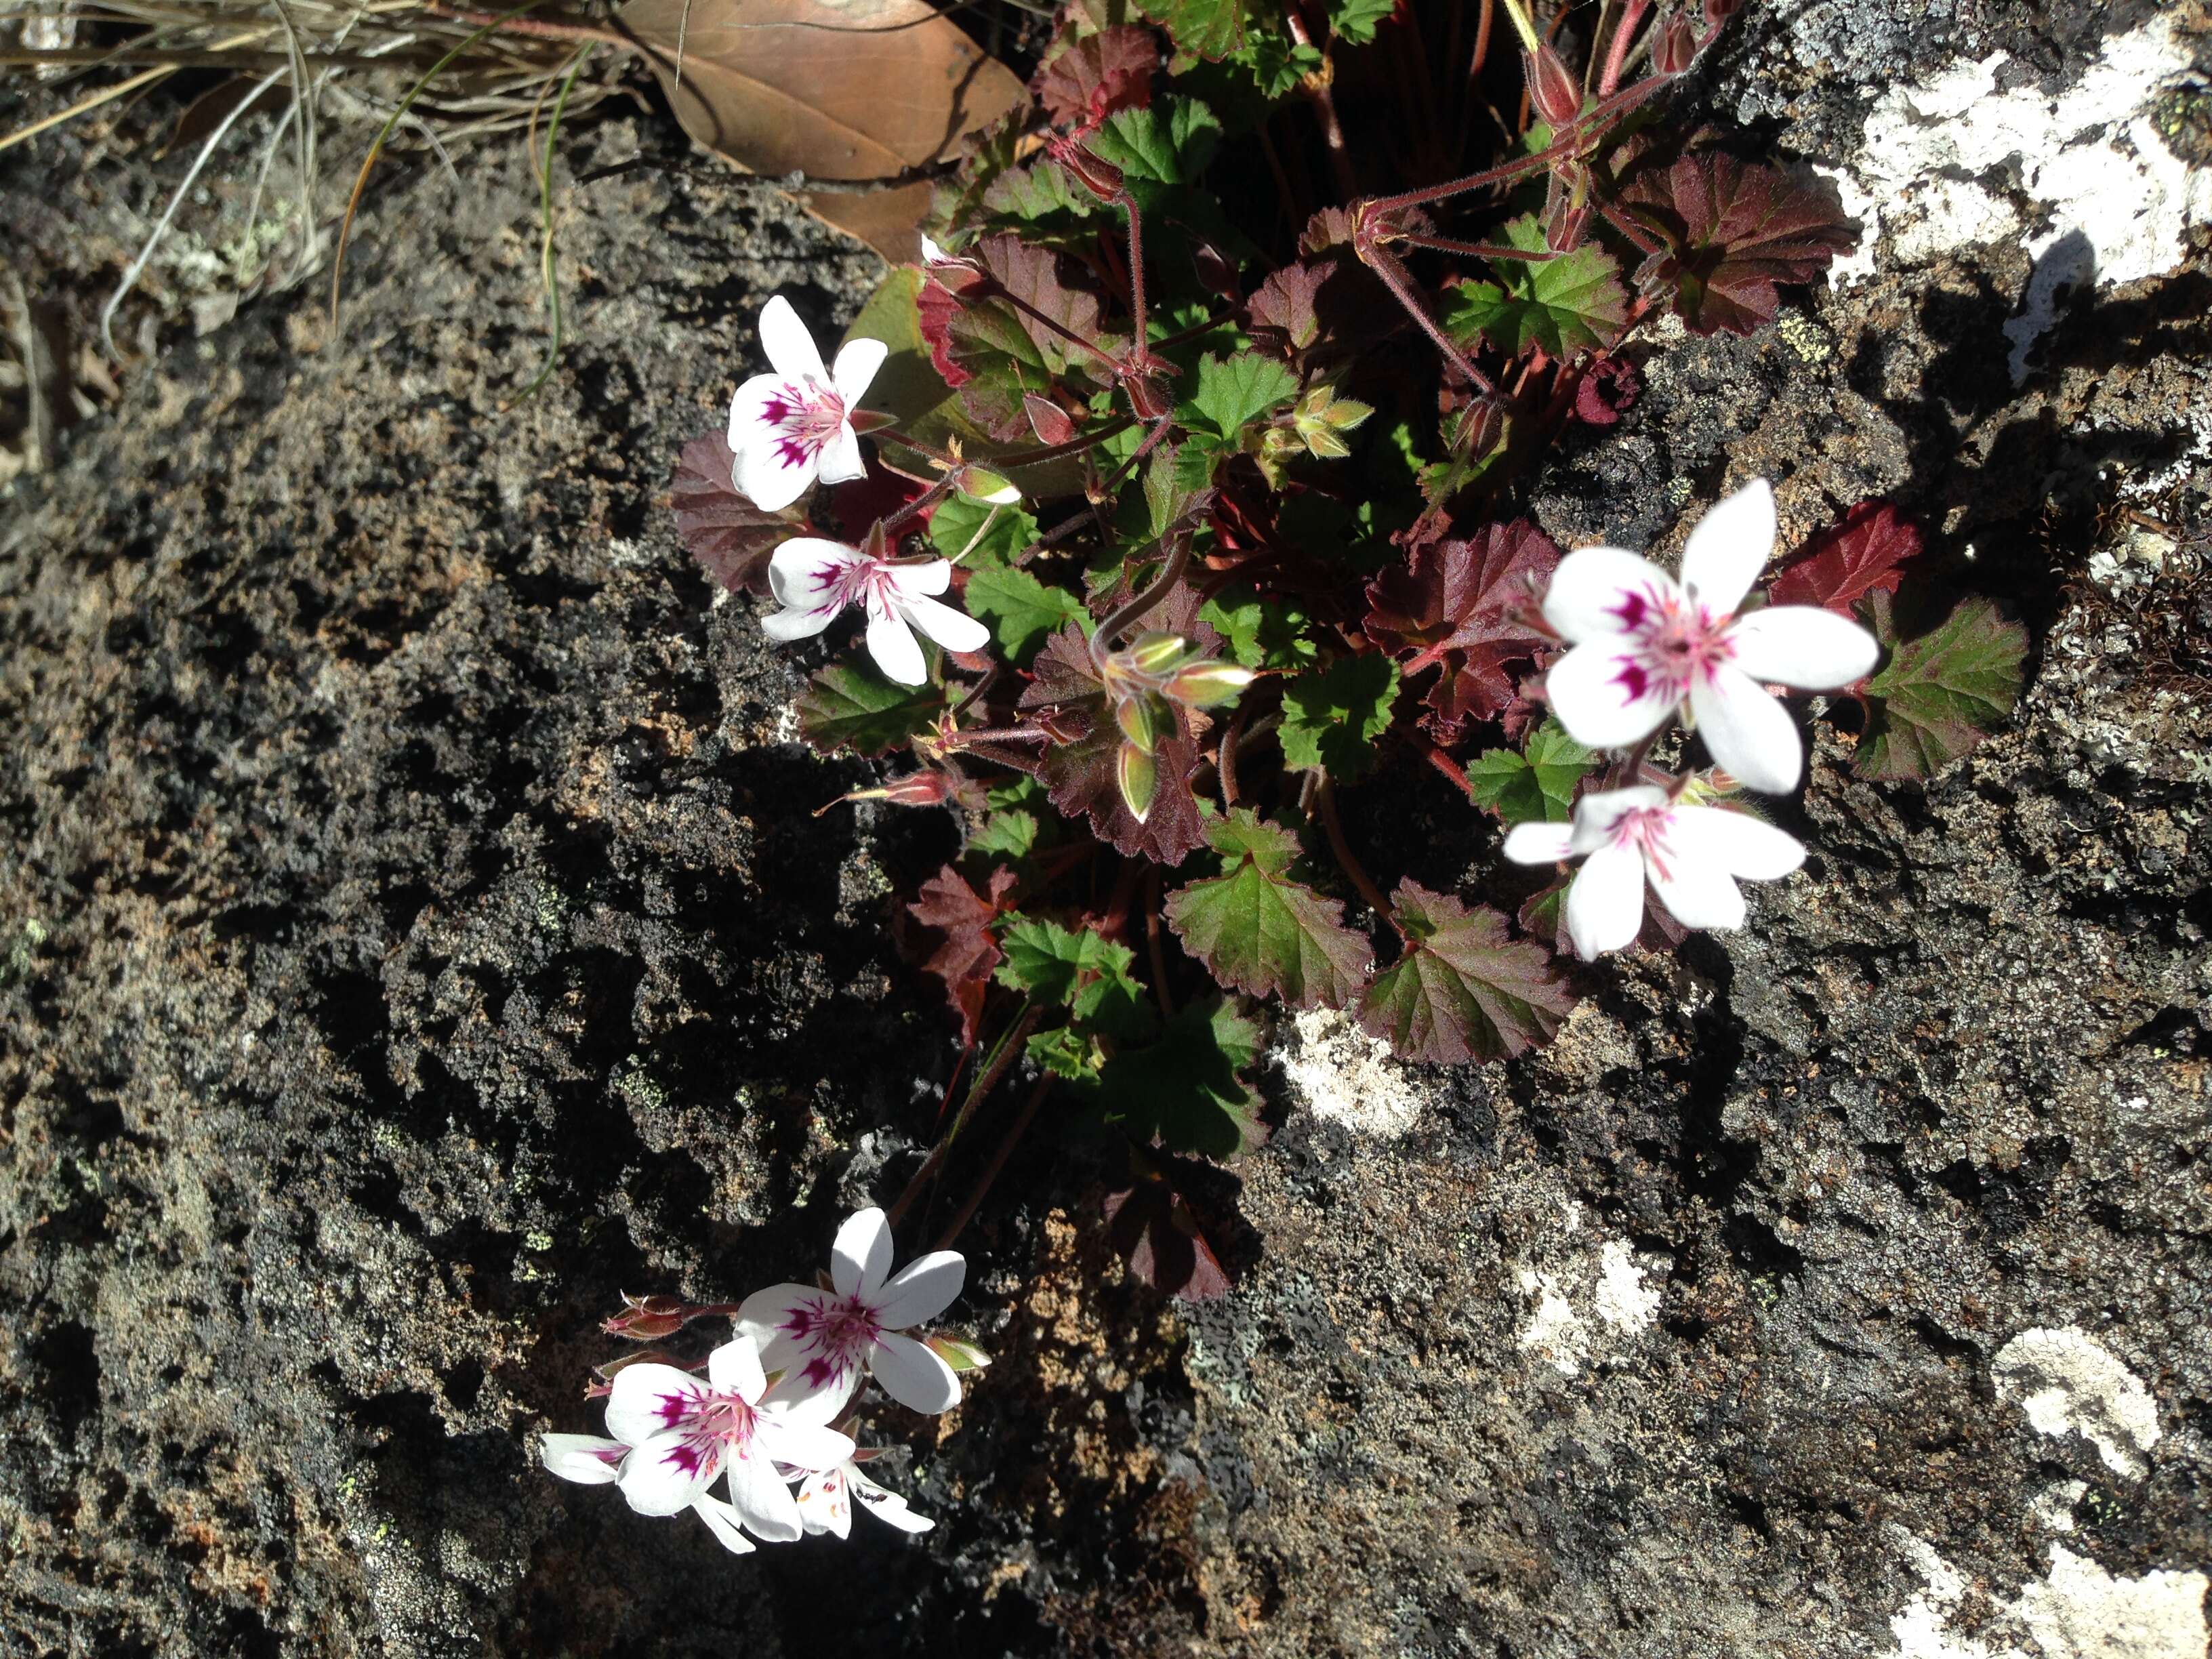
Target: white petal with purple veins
[(1695, 890), (924, 1288), (1605, 905), (1729, 548), (735, 1368), (1606, 694), (860, 1259), (589, 1460), (1747, 732), (664, 1474), (787, 343), (825, 1503), (1803, 646), (650, 1399), (840, 459), (1598, 592), (1738, 842), (808, 573), (1598, 815), (855, 367), (912, 1374)]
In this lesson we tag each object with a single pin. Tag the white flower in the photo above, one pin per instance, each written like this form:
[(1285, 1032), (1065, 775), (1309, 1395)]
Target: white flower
[(1693, 855), (825, 1502), (794, 425), (1645, 644), (591, 1460), (684, 1434), (823, 1339), (814, 579)]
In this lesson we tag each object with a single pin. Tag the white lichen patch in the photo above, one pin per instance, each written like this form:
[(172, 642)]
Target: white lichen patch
[(1587, 1302), (2079, 1611), (1923, 1625), (1555, 1333), (2098, 194), (1340, 1072), (1624, 1300), (2066, 1381)]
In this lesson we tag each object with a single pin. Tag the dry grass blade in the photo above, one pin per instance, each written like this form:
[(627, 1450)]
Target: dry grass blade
[(546, 256)]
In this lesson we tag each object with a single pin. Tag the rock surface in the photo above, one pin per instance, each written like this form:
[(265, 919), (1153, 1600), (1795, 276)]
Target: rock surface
[(412, 935)]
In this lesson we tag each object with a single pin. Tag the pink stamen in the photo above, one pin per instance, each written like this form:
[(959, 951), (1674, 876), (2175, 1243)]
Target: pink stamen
[(805, 419), (1673, 642)]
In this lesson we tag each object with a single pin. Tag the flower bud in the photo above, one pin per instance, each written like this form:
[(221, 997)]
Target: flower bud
[(1672, 44), (960, 1356), (1155, 653), (1099, 176), (1138, 776), (1554, 91), (1206, 685), (1051, 424), (923, 788), (982, 485), (648, 1318), (1138, 722)]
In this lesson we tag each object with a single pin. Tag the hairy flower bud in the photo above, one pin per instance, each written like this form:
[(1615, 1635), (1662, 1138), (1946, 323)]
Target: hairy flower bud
[(1673, 44), (1554, 91), (1205, 685), (1155, 653), (647, 1318), (1097, 175), (1051, 424), (1139, 725), (1137, 775)]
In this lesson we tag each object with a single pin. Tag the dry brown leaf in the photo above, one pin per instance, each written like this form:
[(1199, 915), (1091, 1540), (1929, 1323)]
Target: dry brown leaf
[(865, 90)]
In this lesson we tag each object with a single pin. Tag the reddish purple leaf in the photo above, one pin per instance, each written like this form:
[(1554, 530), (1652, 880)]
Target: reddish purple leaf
[(965, 951), (731, 538), (1734, 229), (1463, 990), (1464, 603), (1098, 75), (1848, 561), (1607, 391), (1152, 1226)]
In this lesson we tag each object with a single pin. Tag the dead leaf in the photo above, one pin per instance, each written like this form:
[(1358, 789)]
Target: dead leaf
[(863, 91)]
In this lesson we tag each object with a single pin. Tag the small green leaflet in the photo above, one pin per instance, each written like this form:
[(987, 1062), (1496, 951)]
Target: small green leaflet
[(1201, 28), (1356, 20), (989, 535), (1184, 1089), (1160, 147), (851, 706), (1261, 633), (1234, 394), (1257, 930), (1562, 303), (1939, 694), (1463, 990), (1010, 836), (1023, 611), (1534, 783), (1332, 716), (1087, 975)]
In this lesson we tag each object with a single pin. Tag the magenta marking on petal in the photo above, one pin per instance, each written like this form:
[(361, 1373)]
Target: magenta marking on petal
[(674, 1408), (1630, 611), (1632, 679)]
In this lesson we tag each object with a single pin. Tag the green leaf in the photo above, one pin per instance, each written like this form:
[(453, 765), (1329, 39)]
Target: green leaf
[(1261, 633), (1534, 783), (1087, 975), (1023, 611), (849, 705), (1201, 28), (1234, 394), (1332, 716), (1065, 1051), (1562, 302), (1184, 1089), (1356, 20), (1010, 836), (1260, 932), (1463, 990), (989, 535), (1939, 694), (1157, 148)]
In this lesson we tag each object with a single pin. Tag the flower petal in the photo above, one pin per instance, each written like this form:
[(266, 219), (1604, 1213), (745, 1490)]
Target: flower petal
[(761, 1499), (953, 630), (810, 574), (1597, 817), (664, 1474), (860, 1260), (924, 1288), (721, 1519), (855, 368), (912, 1374), (1600, 591), (1606, 695), (1540, 843), (813, 1395), (1747, 732), (773, 474), (840, 459), (1729, 548), (735, 1368), (786, 626), (589, 1460), (825, 1503), (756, 411), (1697, 892), (1605, 904), (1804, 645), (924, 576), (649, 1400), (766, 1317), (1740, 843), (789, 346), (802, 1445), (887, 1505), (893, 646)]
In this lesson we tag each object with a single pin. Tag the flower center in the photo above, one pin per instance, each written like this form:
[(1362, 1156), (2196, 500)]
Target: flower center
[(836, 1333), (806, 418), (1673, 641), (1647, 828), (728, 1419)]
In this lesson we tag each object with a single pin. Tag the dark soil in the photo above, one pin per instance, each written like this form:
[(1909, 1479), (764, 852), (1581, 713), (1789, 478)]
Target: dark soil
[(414, 933)]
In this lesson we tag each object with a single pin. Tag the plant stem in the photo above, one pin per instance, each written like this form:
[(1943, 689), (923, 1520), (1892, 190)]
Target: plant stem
[(1155, 948), (1632, 14), (1317, 89), (999, 1159), (1401, 288), (1476, 250), (1451, 768), (1572, 137), (544, 27), (1178, 558), (929, 498), (1334, 827), (1002, 1056)]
